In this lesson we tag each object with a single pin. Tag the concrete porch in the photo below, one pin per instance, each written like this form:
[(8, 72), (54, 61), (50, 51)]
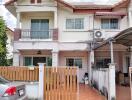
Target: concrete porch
[(85, 92)]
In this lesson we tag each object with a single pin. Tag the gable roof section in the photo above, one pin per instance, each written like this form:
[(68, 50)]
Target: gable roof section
[(123, 3), (85, 5)]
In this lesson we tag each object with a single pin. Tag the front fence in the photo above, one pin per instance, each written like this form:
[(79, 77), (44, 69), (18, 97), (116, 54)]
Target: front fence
[(27, 74), (60, 83), (100, 80), (130, 74)]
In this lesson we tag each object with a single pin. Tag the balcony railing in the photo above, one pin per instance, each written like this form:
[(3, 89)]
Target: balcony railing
[(34, 34)]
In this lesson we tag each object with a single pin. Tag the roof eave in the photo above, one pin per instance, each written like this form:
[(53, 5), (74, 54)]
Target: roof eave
[(9, 2), (123, 3)]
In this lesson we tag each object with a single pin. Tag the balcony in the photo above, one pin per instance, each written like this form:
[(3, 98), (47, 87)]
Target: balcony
[(27, 34)]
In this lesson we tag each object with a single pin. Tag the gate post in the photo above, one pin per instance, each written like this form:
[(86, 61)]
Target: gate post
[(112, 85), (41, 81)]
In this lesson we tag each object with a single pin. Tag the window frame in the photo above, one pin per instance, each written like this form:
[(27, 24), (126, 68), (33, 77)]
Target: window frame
[(36, 56), (75, 58), (102, 58), (82, 24), (110, 24)]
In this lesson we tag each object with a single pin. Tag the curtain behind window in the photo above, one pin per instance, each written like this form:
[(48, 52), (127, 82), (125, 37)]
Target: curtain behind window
[(40, 28)]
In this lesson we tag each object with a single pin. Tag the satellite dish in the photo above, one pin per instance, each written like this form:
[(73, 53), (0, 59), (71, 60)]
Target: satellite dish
[(98, 34)]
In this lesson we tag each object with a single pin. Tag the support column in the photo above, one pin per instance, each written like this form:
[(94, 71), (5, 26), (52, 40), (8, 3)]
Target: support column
[(112, 84), (111, 78), (55, 57), (130, 17), (16, 59), (41, 81), (91, 65), (111, 52), (131, 57), (55, 19), (18, 20)]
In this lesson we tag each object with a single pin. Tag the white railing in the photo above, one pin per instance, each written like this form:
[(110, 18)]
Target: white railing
[(100, 79)]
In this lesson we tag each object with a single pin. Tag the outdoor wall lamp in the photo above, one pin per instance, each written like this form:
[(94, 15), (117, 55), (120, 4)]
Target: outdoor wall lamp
[(39, 52)]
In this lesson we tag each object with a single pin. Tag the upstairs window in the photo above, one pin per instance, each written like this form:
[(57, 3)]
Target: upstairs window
[(109, 23), (35, 1), (77, 23)]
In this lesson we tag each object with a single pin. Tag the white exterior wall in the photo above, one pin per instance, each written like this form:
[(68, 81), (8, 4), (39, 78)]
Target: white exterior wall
[(107, 33), (73, 35), (26, 18)]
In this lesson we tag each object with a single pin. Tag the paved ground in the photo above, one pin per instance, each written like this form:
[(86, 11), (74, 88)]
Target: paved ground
[(88, 93), (123, 93)]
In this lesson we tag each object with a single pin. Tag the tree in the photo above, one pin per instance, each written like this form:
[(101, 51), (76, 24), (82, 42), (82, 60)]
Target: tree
[(3, 39)]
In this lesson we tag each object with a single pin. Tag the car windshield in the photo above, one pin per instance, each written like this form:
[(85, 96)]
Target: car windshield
[(3, 80)]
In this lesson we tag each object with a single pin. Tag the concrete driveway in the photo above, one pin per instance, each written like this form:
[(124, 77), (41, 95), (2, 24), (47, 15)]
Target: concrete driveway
[(123, 93), (88, 93)]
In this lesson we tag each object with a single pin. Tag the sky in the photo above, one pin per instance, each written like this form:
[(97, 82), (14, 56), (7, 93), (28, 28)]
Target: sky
[(11, 20)]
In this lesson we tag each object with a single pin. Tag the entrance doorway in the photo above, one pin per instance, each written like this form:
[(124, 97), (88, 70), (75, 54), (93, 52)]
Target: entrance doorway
[(37, 60)]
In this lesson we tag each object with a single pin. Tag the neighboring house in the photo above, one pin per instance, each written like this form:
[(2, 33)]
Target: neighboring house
[(9, 46), (59, 33)]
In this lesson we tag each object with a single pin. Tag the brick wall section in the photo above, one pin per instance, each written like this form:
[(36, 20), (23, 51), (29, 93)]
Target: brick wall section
[(17, 34), (55, 34)]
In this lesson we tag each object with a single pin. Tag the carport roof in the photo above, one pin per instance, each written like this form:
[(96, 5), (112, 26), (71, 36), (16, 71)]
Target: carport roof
[(124, 38)]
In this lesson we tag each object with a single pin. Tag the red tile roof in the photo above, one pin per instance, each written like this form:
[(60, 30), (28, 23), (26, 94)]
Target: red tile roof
[(85, 5)]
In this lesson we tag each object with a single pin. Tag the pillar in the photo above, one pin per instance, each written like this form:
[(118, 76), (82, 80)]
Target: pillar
[(111, 78), (41, 81), (131, 57), (111, 52), (55, 57), (16, 58), (112, 84), (130, 17), (18, 20), (90, 65), (55, 19)]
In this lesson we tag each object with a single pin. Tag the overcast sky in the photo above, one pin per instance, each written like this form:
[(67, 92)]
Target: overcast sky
[(11, 20)]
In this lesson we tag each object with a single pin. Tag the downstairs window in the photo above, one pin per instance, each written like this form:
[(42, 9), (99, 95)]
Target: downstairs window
[(102, 62), (74, 62)]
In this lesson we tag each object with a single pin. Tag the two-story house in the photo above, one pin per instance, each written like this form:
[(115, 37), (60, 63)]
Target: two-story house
[(59, 33)]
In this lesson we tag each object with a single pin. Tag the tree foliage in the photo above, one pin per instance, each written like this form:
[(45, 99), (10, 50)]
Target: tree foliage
[(3, 42)]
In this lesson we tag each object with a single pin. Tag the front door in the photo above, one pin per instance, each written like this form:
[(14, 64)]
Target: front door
[(39, 28), (37, 60)]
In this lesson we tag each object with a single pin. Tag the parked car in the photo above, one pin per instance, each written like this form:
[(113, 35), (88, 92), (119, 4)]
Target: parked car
[(12, 90)]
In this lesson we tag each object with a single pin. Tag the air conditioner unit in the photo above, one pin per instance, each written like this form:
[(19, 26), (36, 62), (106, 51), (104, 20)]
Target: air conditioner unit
[(98, 35)]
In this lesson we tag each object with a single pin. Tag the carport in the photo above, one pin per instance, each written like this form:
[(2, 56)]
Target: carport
[(123, 38)]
